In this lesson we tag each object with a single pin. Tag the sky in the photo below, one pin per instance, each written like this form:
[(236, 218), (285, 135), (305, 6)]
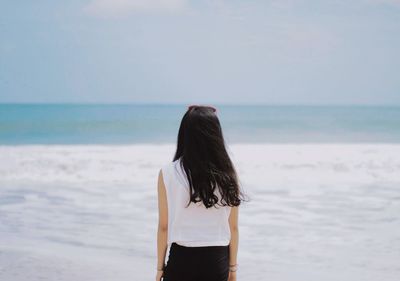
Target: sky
[(181, 51)]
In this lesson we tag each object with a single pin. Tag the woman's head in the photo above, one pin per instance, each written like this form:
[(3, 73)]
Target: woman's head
[(204, 158)]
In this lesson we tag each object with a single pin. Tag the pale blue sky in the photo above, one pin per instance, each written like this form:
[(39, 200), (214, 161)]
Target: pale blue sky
[(180, 51)]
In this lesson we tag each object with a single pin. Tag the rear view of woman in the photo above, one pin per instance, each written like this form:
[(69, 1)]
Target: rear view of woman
[(198, 202)]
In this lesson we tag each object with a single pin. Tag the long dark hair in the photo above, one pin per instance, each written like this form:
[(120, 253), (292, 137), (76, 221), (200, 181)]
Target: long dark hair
[(201, 147)]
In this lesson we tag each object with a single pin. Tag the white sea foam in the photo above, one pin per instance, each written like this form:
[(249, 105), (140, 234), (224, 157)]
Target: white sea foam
[(317, 211)]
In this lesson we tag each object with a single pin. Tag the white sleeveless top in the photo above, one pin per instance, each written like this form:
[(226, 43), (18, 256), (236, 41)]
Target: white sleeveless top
[(195, 225)]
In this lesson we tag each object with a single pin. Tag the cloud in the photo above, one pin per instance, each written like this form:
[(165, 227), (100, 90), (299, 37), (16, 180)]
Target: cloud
[(122, 8)]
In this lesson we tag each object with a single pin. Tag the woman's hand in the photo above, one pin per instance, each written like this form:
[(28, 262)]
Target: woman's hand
[(159, 275), (232, 276)]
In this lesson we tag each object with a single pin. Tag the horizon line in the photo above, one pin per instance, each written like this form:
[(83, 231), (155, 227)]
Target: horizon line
[(203, 103)]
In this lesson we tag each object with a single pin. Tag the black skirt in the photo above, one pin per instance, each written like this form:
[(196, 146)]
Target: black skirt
[(210, 263)]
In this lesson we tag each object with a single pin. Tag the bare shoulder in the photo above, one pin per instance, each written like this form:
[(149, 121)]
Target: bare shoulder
[(161, 178), (162, 202)]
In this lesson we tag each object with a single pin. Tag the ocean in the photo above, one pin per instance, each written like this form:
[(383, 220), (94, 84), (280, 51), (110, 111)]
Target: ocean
[(78, 190), (126, 124)]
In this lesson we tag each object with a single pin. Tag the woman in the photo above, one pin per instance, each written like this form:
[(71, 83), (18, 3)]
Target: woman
[(198, 202)]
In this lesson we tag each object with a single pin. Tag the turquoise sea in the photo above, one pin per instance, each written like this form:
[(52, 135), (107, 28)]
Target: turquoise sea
[(156, 123)]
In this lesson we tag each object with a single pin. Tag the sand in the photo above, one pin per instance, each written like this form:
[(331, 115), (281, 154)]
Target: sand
[(89, 212)]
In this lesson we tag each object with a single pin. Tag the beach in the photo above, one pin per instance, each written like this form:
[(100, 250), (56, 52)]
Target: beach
[(96, 95), (323, 211)]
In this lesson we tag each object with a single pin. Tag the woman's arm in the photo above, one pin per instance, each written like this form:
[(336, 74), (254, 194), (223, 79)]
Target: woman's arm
[(162, 232), (234, 244)]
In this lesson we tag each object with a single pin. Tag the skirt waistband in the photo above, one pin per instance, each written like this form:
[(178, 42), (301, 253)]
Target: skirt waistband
[(199, 248)]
